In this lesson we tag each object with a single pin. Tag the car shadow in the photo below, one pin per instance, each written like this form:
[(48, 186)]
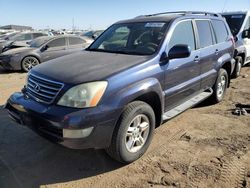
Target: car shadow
[(27, 160), (2, 71)]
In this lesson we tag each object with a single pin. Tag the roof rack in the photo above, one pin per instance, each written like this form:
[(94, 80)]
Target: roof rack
[(183, 13)]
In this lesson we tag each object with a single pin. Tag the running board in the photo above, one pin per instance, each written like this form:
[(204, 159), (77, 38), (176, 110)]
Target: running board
[(186, 105)]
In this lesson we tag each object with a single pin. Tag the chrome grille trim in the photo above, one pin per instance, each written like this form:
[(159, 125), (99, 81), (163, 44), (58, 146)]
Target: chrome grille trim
[(48, 89)]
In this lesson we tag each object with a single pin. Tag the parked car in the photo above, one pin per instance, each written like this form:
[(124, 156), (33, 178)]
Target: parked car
[(7, 36), (239, 23), (92, 34), (40, 50), (114, 94), (20, 40)]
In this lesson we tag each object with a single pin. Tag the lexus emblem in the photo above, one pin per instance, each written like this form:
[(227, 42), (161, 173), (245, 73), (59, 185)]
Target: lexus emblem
[(37, 88)]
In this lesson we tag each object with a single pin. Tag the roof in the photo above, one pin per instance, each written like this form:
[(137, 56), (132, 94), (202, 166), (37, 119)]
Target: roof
[(169, 16), (166, 18), (235, 12)]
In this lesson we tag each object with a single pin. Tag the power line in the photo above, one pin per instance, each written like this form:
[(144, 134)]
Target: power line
[(224, 6)]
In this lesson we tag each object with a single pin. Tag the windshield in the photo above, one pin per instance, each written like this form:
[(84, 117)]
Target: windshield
[(39, 42), (131, 38), (235, 22)]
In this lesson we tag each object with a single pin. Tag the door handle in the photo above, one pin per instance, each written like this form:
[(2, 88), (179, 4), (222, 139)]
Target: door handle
[(216, 52), (196, 59)]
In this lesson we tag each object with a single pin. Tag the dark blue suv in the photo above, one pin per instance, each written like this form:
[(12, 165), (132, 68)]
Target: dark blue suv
[(137, 74)]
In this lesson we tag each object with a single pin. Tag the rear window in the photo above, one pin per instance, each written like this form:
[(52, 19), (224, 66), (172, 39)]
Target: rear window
[(235, 22), (220, 30), (75, 41), (205, 34)]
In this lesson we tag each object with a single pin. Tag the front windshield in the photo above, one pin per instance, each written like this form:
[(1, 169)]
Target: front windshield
[(39, 42), (235, 22), (131, 38)]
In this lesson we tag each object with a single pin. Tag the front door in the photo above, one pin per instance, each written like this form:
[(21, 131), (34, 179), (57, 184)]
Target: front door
[(55, 48), (182, 76)]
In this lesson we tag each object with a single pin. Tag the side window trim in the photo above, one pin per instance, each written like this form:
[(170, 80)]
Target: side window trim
[(213, 33), (196, 35)]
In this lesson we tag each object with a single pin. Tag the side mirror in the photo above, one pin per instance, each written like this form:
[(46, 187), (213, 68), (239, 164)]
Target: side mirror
[(44, 48), (94, 36), (179, 51), (246, 34)]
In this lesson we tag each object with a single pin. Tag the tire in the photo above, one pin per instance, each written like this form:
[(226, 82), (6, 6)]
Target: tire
[(28, 63), (238, 66), (220, 86), (127, 145)]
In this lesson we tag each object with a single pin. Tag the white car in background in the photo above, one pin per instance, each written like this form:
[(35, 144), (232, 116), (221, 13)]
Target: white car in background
[(239, 23)]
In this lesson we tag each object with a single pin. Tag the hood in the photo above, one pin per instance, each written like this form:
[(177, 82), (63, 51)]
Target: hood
[(87, 66), (17, 50)]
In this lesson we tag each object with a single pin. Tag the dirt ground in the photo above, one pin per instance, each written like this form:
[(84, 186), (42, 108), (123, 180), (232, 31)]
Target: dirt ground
[(206, 146)]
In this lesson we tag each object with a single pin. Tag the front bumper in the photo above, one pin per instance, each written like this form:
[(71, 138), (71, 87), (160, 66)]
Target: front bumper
[(51, 121)]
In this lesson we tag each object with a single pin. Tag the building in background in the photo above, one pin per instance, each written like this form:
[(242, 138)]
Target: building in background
[(16, 27)]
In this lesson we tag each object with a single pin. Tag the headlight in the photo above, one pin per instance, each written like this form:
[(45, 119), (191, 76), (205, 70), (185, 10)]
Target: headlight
[(84, 95)]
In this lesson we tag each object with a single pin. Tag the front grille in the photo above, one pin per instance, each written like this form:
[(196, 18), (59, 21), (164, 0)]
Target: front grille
[(42, 90)]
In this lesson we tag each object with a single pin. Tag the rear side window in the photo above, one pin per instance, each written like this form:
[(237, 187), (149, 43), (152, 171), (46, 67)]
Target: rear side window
[(220, 30), (75, 41), (57, 42), (205, 34), (183, 34)]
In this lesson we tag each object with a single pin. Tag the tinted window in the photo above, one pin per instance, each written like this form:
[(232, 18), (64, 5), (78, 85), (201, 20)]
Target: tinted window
[(235, 22), (205, 34), (75, 41), (220, 30), (183, 34), (57, 42)]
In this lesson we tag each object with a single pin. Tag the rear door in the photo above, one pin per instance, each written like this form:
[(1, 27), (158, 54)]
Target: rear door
[(55, 48), (208, 53), (182, 76)]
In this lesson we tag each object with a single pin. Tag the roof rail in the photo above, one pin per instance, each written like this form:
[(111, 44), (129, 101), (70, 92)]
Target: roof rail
[(183, 13)]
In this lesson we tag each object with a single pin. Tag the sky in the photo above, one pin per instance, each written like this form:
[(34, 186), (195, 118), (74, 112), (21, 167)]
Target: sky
[(99, 14)]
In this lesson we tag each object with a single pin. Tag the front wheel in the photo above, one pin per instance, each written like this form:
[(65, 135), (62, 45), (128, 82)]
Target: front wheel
[(220, 86), (28, 63), (133, 133)]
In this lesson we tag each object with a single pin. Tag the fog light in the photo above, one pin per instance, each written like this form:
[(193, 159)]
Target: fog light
[(80, 133)]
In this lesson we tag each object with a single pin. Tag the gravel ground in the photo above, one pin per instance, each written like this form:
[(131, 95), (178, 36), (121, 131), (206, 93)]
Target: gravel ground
[(206, 146)]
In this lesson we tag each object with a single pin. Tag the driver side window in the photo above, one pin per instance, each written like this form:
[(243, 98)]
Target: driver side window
[(183, 34), (57, 43)]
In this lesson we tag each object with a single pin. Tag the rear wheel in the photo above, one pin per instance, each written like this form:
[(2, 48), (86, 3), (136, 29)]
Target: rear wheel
[(238, 67), (133, 133), (28, 63), (220, 86)]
